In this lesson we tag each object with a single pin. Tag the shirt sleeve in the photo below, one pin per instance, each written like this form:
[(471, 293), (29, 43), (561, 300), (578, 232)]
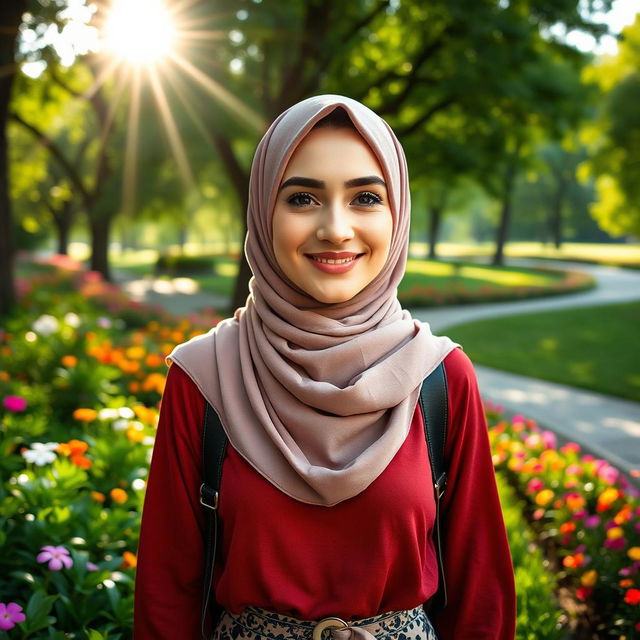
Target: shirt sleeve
[(477, 561), (169, 573)]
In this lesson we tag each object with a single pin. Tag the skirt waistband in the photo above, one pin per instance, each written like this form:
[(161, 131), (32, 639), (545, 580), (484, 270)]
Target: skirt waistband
[(259, 624)]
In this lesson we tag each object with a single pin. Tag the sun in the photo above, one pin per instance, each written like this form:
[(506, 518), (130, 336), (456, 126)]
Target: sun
[(140, 32)]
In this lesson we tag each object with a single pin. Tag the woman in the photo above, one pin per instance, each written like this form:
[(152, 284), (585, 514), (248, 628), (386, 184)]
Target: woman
[(326, 499)]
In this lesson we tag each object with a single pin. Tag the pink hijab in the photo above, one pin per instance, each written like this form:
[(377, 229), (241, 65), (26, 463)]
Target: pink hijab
[(317, 398)]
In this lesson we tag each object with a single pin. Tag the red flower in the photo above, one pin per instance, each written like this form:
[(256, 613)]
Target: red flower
[(583, 592), (632, 596)]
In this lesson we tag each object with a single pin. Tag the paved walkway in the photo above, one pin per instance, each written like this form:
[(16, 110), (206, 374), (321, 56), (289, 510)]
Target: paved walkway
[(609, 427)]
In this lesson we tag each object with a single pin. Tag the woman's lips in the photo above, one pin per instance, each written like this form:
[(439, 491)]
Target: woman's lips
[(334, 263)]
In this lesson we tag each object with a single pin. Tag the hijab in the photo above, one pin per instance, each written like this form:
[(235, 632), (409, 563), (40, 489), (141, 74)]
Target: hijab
[(318, 398)]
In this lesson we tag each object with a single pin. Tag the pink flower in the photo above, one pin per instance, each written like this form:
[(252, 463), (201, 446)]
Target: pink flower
[(10, 615), (57, 557), (14, 403), (574, 470), (615, 544), (570, 447), (534, 485), (92, 567), (591, 522), (549, 439)]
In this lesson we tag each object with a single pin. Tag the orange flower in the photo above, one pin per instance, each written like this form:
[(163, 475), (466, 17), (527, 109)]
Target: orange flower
[(134, 386), (606, 498), (153, 361), (73, 447), (97, 496), (154, 382), (4, 376), (129, 560), (118, 495), (567, 527), (575, 502), (85, 415), (69, 361), (81, 461), (589, 578), (573, 562), (135, 433), (624, 515), (626, 583), (544, 497)]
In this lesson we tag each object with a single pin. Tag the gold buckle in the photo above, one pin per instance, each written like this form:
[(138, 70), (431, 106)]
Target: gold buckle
[(327, 623)]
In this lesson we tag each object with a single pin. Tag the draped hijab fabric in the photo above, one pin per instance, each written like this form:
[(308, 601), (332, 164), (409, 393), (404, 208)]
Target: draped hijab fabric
[(317, 397)]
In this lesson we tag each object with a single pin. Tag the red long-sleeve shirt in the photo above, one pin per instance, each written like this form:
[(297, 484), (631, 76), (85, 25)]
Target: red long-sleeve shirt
[(364, 556)]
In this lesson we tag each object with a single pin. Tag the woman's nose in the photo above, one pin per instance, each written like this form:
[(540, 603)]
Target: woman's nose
[(335, 225)]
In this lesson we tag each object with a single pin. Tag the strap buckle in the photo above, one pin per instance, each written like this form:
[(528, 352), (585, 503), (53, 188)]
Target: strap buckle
[(208, 497)]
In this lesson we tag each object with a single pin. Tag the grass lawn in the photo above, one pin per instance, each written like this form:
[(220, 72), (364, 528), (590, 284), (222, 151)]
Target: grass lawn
[(596, 348), (622, 255)]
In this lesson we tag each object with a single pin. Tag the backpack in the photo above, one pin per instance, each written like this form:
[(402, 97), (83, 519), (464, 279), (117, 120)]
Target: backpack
[(433, 402)]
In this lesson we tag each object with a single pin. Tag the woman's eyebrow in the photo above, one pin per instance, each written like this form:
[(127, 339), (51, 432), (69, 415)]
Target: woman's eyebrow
[(299, 181)]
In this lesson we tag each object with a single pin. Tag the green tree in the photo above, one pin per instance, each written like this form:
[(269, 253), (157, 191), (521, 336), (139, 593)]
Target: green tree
[(615, 162)]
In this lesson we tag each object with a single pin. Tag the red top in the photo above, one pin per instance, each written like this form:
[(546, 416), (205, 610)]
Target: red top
[(367, 555)]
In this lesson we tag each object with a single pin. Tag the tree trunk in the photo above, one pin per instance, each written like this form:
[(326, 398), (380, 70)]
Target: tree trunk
[(505, 214), (10, 16), (100, 227), (63, 236), (435, 218), (555, 220)]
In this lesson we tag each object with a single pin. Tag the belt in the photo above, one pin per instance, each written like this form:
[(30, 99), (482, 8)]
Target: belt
[(260, 624)]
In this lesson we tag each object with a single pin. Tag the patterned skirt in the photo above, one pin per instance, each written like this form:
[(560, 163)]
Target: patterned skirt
[(258, 624)]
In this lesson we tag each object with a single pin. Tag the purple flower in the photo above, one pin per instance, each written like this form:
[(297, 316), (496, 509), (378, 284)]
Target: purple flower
[(10, 615), (56, 557), (591, 522), (14, 403), (92, 567)]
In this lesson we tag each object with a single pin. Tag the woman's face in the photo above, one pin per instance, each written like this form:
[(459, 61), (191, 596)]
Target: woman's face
[(332, 222)]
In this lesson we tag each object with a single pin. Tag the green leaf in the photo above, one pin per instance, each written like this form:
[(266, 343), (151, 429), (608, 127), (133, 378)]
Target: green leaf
[(37, 612)]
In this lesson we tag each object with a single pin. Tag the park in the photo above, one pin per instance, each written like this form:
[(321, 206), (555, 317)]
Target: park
[(127, 131)]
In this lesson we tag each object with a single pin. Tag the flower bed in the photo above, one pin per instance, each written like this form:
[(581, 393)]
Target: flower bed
[(79, 393), (587, 516)]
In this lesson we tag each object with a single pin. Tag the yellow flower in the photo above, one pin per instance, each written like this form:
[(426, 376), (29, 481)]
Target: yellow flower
[(589, 578), (135, 353), (85, 415), (634, 553), (544, 497), (118, 495), (615, 532)]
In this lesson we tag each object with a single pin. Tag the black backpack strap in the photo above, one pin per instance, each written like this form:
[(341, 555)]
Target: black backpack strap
[(214, 446), (434, 407)]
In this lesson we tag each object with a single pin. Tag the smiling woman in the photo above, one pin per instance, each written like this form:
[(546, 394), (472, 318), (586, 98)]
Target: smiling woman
[(140, 32)]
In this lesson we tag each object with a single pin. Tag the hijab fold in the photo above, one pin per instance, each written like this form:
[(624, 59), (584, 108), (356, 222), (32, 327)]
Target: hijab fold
[(318, 398)]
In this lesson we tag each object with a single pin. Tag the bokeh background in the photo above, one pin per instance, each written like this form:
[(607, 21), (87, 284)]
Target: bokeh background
[(127, 129)]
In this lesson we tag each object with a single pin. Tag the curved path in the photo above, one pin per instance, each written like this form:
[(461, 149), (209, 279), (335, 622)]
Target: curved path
[(608, 427)]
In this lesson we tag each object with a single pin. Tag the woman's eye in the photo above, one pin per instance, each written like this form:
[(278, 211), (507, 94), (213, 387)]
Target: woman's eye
[(367, 199), (301, 200)]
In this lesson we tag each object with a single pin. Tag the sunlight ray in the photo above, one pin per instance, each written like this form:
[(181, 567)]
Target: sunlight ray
[(172, 130), (197, 34), (181, 90), (130, 169), (103, 75), (232, 103)]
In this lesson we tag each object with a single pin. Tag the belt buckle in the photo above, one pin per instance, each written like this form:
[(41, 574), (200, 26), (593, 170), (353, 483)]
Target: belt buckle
[(331, 622)]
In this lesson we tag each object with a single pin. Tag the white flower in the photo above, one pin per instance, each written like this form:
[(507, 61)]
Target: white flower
[(45, 325), (138, 484), (148, 441), (125, 412), (108, 414), (72, 319), (41, 453), (104, 323), (120, 425)]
